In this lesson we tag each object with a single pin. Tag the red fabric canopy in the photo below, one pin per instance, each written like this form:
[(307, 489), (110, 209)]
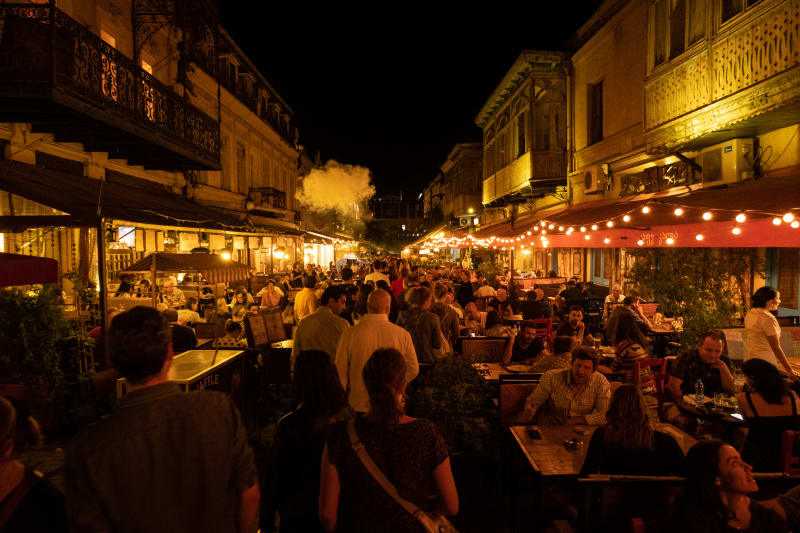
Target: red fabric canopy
[(26, 270)]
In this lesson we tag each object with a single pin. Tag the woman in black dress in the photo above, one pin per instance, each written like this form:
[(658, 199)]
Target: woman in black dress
[(410, 452)]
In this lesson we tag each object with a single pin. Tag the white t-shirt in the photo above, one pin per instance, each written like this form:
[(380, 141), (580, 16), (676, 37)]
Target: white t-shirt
[(485, 291), (375, 276), (758, 325)]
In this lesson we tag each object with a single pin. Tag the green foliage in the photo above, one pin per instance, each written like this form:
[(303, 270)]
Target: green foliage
[(31, 326), (455, 396), (707, 287), (489, 269)]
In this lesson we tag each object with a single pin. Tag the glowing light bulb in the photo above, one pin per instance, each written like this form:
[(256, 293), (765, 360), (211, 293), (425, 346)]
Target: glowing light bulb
[(626, 218), (587, 237), (699, 237), (670, 241), (640, 242), (645, 210), (795, 224), (571, 229), (583, 228), (610, 224), (776, 221), (736, 231), (788, 217), (551, 226), (741, 217), (529, 233), (594, 227), (707, 215), (561, 228), (678, 212), (544, 232), (606, 240)]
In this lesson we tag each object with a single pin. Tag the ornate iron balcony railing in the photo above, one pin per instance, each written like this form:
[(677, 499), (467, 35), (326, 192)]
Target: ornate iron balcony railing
[(46, 55)]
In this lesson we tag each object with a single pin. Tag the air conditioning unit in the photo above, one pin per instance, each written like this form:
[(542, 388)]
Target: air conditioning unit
[(728, 162), (595, 179), (464, 221)]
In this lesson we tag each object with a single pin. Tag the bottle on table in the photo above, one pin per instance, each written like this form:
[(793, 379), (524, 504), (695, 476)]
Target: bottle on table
[(699, 395)]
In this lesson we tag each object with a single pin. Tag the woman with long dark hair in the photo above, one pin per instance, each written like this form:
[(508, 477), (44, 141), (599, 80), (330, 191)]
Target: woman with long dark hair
[(293, 479), (410, 452), (763, 331), (627, 443), (716, 496), (360, 308), (769, 408), (630, 346)]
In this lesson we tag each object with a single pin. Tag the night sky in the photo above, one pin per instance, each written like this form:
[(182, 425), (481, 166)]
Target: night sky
[(393, 86)]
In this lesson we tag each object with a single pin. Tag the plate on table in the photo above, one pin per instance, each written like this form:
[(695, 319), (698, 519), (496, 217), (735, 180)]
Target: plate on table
[(689, 398), (518, 368)]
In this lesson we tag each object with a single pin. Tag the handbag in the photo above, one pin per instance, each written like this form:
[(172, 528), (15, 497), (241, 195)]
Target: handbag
[(432, 522)]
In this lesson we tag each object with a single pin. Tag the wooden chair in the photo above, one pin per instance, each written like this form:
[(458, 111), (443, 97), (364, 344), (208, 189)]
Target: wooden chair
[(790, 462), (660, 368), (207, 330), (484, 350), (544, 330), (512, 400)]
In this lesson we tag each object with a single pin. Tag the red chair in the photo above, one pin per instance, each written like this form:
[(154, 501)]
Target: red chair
[(660, 377), (790, 463)]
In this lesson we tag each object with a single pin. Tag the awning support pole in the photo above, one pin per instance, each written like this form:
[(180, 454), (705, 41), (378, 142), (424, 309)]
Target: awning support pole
[(103, 281)]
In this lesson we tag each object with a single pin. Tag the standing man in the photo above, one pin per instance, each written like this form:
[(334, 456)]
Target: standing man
[(500, 304), (322, 329), (358, 343), (305, 301), (376, 273), (464, 294), (165, 460), (575, 395)]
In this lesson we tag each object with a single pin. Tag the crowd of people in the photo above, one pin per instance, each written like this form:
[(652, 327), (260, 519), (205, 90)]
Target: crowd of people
[(349, 447)]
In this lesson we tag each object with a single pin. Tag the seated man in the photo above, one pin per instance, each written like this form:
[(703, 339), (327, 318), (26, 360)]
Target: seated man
[(485, 290), (575, 395), (707, 364), (183, 337), (574, 327), (525, 346), (500, 304), (536, 305), (560, 358), (474, 320)]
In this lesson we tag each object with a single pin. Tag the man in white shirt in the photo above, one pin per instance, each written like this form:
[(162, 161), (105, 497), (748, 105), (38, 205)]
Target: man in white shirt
[(485, 290), (322, 329), (376, 274), (614, 297), (358, 343)]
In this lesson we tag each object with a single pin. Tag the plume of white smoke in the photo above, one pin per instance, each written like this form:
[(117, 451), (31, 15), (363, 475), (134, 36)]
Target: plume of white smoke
[(336, 187)]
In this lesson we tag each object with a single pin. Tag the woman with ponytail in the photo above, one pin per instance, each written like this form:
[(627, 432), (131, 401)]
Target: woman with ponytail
[(28, 503), (410, 452)]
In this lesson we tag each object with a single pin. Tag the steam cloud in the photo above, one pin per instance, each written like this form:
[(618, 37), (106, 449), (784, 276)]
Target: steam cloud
[(335, 186)]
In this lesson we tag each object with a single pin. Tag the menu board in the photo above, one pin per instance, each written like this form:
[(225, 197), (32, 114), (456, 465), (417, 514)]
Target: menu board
[(275, 330), (256, 331), (790, 341)]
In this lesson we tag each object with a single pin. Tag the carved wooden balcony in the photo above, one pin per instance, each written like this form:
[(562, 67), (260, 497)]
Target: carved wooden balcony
[(65, 80), (533, 174), (741, 82)]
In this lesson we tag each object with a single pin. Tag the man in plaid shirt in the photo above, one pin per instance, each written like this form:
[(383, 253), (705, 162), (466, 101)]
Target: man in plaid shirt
[(575, 395)]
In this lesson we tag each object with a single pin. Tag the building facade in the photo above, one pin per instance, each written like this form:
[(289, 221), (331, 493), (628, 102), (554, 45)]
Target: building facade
[(151, 130)]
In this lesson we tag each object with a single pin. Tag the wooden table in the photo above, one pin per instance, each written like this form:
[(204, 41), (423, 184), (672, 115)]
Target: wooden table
[(493, 371), (551, 459)]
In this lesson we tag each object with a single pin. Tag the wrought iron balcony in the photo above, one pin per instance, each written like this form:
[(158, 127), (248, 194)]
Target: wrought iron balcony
[(65, 80)]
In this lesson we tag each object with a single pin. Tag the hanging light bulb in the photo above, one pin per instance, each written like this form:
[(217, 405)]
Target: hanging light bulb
[(571, 229), (741, 217), (610, 224), (561, 228), (583, 228), (736, 231), (551, 226), (645, 210), (606, 240), (699, 237), (594, 227), (795, 224), (776, 221), (670, 241), (529, 233), (707, 215), (788, 217), (640, 242), (587, 236), (678, 212), (626, 218)]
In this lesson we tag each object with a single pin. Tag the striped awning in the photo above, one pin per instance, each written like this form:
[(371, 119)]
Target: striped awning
[(213, 267)]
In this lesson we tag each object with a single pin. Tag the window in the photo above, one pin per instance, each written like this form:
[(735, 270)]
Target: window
[(788, 266), (226, 164), (697, 20), (660, 32), (594, 123), (521, 123), (731, 8), (241, 169), (677, 28)]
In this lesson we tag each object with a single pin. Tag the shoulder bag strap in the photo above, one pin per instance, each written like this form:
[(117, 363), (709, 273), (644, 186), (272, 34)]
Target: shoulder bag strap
[(374, 471), (750, 401), (16, 496)]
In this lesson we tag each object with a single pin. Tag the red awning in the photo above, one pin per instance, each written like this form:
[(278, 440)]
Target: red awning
[(760, 200), (27, 270), (213, 267)]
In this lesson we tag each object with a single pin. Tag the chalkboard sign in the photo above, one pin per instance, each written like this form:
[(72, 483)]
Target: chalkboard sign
[(256, 331)]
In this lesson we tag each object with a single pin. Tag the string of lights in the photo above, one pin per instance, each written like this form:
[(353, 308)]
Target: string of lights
[(632, 219)]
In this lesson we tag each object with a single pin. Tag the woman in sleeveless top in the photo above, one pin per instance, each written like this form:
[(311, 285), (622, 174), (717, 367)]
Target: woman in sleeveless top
[(770, 409)]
